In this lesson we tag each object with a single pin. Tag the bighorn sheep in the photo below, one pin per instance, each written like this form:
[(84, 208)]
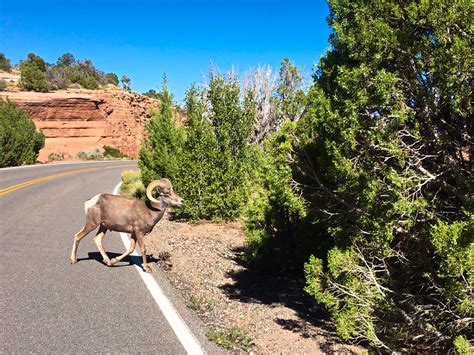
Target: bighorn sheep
[(120, 214)]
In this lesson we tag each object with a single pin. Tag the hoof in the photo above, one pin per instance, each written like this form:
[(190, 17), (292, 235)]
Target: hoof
[(146, 268), (107, 262), (113, 261), (73, 261)]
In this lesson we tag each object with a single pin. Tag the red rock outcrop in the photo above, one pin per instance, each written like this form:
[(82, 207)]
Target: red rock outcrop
[(77, 120)]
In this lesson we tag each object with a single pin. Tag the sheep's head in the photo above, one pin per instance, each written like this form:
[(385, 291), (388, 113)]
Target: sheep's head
[(165, 193)]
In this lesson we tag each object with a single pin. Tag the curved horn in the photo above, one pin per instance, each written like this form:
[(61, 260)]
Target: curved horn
[(160, 184)]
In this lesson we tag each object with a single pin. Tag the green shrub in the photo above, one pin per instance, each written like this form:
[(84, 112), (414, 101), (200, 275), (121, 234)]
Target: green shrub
[(20, 143), (280, 236), (113, 153), (231, 338), (200, 304), (462, 346), (92, 154), (37, 75), (207, 158), (55, 157), (132, 187), (372, 156), (58, 156), (38, 142), (3, 85), (130, 176), (85, 81), (376, 177)]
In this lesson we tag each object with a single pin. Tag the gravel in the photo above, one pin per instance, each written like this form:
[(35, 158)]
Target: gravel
[(204, 261)]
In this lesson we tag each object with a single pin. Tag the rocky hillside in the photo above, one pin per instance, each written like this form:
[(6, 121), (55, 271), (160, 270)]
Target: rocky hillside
[(77, 120)]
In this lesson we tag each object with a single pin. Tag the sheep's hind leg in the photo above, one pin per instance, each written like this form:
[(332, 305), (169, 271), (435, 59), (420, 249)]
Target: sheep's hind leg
[(98, 241), (128, 252), (77, 238)]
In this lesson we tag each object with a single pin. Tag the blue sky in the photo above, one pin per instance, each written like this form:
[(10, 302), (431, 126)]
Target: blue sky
[(144, 39)]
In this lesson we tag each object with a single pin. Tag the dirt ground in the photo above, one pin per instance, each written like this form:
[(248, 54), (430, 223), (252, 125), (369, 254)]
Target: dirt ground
[(204, 262)]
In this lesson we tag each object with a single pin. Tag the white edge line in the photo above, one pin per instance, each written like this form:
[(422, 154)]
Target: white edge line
[(182, 331)]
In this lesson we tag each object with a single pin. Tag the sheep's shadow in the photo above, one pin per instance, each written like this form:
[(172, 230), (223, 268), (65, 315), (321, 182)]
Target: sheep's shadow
[(129, 260), (313, 321)]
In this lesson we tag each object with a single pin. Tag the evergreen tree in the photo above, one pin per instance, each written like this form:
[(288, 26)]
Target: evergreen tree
[(5, 64), (383, 161), (152, 93), (206, 155), (125, 82), (376, 177), (112, 78), (20, 143), (280, 234), (84, 73), (67, 59), (232, 123), (33, 74), (200, 179), (289, 92), (161, 153)]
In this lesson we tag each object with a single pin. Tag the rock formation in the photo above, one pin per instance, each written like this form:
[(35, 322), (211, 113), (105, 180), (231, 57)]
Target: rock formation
[(77, 120)]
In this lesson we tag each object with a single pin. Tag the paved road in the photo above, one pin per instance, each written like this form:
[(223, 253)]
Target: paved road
[(50, 306)]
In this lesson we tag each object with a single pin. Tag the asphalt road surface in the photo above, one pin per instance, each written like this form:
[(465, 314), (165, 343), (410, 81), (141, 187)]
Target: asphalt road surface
[(47, 304)]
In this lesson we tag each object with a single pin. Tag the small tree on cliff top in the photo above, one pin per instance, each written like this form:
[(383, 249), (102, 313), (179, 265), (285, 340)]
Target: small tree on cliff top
[(112, 78), (125, 82), (67, 59), (33, 74), (5, 64)]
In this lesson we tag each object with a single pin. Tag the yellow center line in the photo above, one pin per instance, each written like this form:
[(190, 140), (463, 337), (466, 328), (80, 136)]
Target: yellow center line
[(55, 176)]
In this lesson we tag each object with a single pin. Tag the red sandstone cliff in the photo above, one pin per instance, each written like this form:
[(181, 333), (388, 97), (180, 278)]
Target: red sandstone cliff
[(77, 120)]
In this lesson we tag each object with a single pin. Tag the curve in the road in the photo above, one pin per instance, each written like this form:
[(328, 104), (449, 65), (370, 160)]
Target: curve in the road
[(55, 176), (87, 308)]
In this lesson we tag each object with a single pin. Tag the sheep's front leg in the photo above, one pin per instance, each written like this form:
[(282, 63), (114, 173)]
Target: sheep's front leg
[(98, 241), (141, 244), (128, 252)]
